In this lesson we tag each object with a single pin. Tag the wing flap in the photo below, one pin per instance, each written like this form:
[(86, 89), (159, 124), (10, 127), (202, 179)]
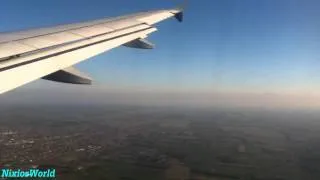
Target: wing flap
[(14, 48)]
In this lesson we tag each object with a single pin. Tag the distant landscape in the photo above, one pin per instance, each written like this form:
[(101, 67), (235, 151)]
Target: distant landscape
[(140, 142)]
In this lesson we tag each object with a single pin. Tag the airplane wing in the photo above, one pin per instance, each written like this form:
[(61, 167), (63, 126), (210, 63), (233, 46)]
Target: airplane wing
[(50, 53)]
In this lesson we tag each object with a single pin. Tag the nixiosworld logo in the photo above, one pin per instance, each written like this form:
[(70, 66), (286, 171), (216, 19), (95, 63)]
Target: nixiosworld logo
[(31, 173)]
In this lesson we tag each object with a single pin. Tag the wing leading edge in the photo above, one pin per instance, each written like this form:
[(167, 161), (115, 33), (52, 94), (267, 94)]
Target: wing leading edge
[(47, 52)]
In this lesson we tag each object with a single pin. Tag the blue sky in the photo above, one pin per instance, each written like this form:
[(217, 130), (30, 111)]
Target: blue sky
[(247, 46)]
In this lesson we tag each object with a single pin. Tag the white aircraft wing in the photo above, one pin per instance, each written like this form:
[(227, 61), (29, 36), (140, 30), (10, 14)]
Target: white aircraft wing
[(50, 53)]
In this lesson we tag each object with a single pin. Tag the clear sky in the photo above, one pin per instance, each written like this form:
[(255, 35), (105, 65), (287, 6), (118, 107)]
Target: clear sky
[(235, 46)]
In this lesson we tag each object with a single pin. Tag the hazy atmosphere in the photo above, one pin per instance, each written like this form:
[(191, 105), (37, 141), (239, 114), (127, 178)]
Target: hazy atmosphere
[(228, 52)]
